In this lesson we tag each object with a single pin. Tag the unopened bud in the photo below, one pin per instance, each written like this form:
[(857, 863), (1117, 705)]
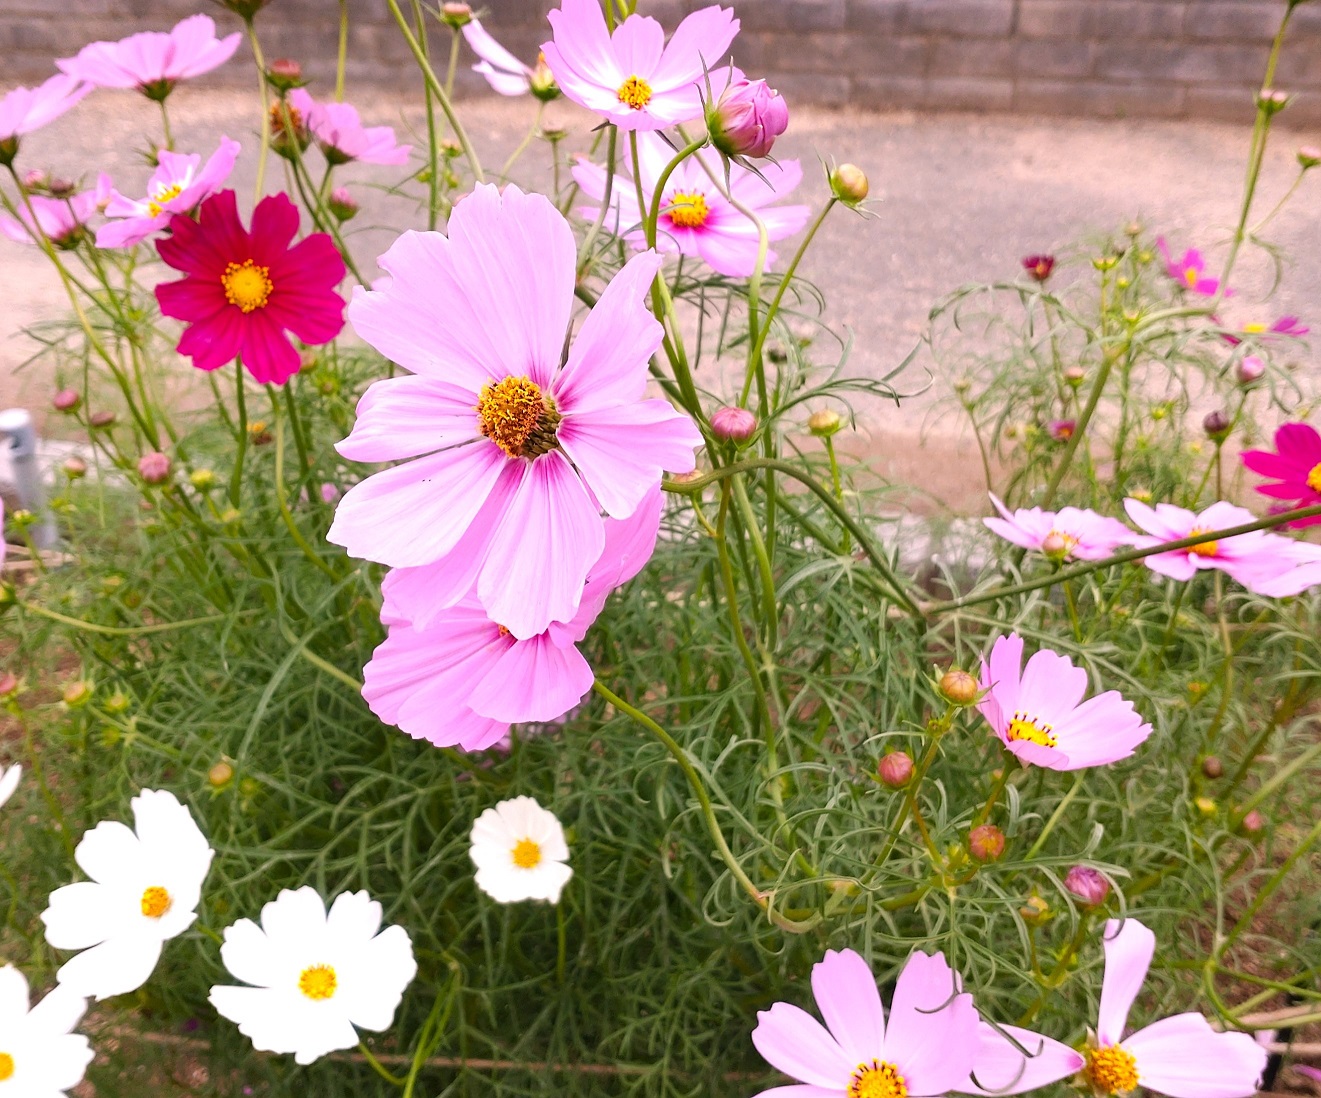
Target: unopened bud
[(154, 467), (554, 134), (1216, 425), (220, 775), (230, 516), (1206, 806), (202, 479), (958, 687), (1212, 767), (75, 468), (285, 74), (1309, 156), (60, 188), (1087, 885), (1249, 370), (456, 15), (8, 685), (1036, 911), (1254, 823), (849, 184), (824, 423), (1055, 546), (986, 842), (679, 482), (1074, 376), (66, 400), (895, 769), (1272, 101), (1105, 262), (541, 81), (101, 420), (118, 702), (342, 204), (77, 694), (733, 424)]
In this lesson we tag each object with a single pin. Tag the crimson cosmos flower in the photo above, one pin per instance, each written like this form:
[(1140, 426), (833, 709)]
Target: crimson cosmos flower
[(244, 290)]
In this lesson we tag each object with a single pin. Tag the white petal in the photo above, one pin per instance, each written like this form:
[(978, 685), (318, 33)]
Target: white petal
[(9, 782), (115, 967)]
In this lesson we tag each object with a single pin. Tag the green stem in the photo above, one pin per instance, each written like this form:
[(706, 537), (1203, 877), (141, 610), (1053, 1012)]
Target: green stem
[(1080, 429), (658, 196), (342, 56), (527, 140), (380, 1068), (585, 251), (1268, 889), (433, 143), (165, 123), (295, 533), (264, 153), (117, 630), (240, 438), (1055, 817)]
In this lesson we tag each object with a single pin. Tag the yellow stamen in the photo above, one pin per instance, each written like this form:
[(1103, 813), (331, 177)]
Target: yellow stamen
[(156, 901), (1111, 1070), (1206, 548), (518, 417), (247, 285), (1191, 275), (318, 982), (634, 93), (6, 1066), (162, 196), (879, 1079), (688, 210), (527, 854), (1314, 478), (1254, 328), (1024, 727)]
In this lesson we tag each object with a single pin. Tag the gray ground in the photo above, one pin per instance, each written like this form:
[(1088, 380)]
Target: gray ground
[(960, 199)]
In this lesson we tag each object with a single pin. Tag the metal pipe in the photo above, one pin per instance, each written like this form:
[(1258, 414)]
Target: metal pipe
[(16, 426)]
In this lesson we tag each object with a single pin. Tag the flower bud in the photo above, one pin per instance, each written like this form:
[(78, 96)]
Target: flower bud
[(1216, 425), (66, 400), (554, 134), (154, 467), (1254, 823), (824, 423), (1036, 911), (75, 468), (733, 424), (285, 74), (8, 685), (1074, 376), (1272, 101), (1055, 546), (101, 420), (1087, 885), (455, 14), (679, 481), (34, 180), (77, 694), (986, 842), (1206, 806), (1309, 156), (1250, 369), (895, 769), (747, 118), (230, 516), (289, 133), (245, 9), (958, 687), (220, 775), (60, 188), (849, 184), (202, 479), (1105, 262), (541, 83), (1039, 266), (1212, 767), (118, 702), (342, 204), (1061, 430)]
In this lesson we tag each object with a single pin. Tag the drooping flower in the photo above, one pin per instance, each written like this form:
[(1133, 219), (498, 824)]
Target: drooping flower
[(1180, 1056), (144, 890), (177, 185), (40, 1055), (451, 674), (1069, 534), (925, 1047), (1189, 271), (521, 445), (1251, 559), (746, 118), (243, 289), (696, 218), (62, 221), (153, 61), (1039, 266), (506, 74), (1038, 713), (1285, 326), (315, 975), (519, 850), (26, 109), (632, 77), (1294, 467), (341, 136), (9, 775)]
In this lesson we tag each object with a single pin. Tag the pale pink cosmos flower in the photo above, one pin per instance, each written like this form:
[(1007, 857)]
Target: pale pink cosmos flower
[(26, 109), (177, 185), (518, 437), (1253, 559), (926, 1047), (633, 78), (1077, 534), (341, 136), (1189, 271), (506, 74), (1285, 326), (696, 218), (62, 221), (450, 674), (153, 61), (1038, 713), (1180, 1056)]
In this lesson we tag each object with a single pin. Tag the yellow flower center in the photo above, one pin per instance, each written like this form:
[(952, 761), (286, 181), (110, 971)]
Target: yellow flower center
[(634, 93), (6, 1066), (318, 982), (1314, 478), (527, 854), (879, 1079), (1254, 328), (688, 210), (278, 116), (163, 195), (247, 285), (156, 901), (1024, 727), (1206, 548), (518, 417), (1191, 275), (1112, 1070)]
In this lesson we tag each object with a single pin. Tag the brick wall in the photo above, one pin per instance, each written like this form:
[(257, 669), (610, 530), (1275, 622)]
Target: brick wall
[(1156, 58)]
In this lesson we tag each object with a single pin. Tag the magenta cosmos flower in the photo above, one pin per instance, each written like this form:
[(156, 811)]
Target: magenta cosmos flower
[(519, 441), (340, 134), (1069, 534), (926, 1047), (450, 674), (1189, 271), (1286, 326), (177, 185), (1294, 466), (153, 61), (747, 117), (244, 290), (62, 221), (1251, 559), (506, 74), (696, 218), (633, 78), (1180, 1056), (1039, 715), (26, 109)]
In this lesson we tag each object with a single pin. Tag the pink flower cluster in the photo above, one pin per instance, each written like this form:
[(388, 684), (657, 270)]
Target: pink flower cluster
[(341, 136)]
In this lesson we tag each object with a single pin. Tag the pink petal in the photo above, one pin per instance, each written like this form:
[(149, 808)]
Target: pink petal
[(1184, 1057), (792, 1041), (1051, 687), (699, 42), (1299, 442), (581, 47), (402, 417), (846, 995), (267, 352), (535, 680), (1129, 947), (1102, 730), (799, 1090), (638, 42), (932, 1035), (1003, 1068)]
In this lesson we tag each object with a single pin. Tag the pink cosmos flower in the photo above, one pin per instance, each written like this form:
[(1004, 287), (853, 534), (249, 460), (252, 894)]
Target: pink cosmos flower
[(1061, 430), (747, 118), (153, 61), (696, 218), (1180, 1056), (342, 137), (1189, 271), (1294, 466), (926, 1047), (1250, 559), (1077, 534), (26, 109), (176, 186), (1285, 326), (450, 674), (519, 439), (243, 290), (1039, 715), (63, 221), (506, 74), (633, 78)]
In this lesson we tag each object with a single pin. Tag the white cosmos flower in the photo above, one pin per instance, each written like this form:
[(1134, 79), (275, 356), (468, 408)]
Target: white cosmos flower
[(9, 781), (519, 850), (40, 1055), (315, 976), (144, 890)]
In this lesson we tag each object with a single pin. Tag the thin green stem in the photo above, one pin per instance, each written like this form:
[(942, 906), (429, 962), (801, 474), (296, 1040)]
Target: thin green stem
[(265, 151), (342, 55), (165, 124), (240, 437), (117, 630), (380, 1068), (433, 140)]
